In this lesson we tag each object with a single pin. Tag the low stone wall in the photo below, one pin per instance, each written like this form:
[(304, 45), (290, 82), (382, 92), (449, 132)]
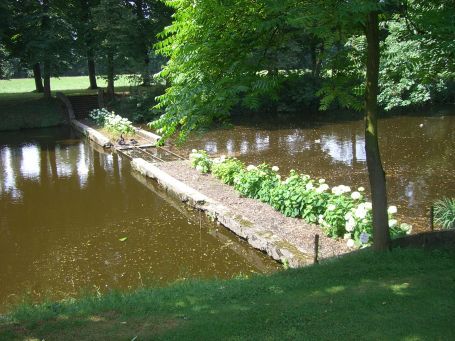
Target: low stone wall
[(92, 134), (256, 236)]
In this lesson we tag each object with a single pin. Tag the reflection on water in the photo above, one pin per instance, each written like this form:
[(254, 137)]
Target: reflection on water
[(418, 154), (64, 206)]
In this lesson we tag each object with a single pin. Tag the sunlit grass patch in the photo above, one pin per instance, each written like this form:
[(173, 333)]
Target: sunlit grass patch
[(398, 295)]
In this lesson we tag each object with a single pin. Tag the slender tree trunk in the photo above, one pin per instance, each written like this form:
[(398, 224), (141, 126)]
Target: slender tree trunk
[(47, 79), (88, 37), (37, 75), (110, 75), (146, 73), (376, 173), (46, 63), (316, 50), (91, 69), (145, 51)]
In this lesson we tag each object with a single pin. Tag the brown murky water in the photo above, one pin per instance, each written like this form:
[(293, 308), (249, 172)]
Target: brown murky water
[(64, 207), (418, 153)]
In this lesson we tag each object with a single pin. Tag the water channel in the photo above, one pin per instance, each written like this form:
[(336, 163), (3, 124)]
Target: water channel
[(73, 217), (418, 154)]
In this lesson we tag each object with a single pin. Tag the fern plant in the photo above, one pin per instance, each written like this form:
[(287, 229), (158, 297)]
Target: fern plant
[(444, 213)]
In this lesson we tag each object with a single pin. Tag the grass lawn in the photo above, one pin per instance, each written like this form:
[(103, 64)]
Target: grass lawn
[(20, 107), (22, 85), (402, 295)]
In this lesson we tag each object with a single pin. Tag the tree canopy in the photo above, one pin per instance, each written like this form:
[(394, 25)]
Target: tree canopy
[(299, 53)]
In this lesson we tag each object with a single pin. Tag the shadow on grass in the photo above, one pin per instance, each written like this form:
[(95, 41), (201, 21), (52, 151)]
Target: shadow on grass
[(402, 294)]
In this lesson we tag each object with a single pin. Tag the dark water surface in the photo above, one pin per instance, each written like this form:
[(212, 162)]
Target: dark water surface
[(418, 153), (64, 206)]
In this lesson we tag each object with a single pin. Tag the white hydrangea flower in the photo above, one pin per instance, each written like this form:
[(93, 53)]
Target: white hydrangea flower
[(350, 224), (321, 181), (350, 243), (408, 228), (275, 169), (347, 236), (356, 195), (250, 168), (309, 186), (336, 190), (364, 237), (348, 216), (331, 207), (392, 222), (346, 189), (199, 168), (194, 151), (322, 188), (361, 189), (360, 212), (320, 219), (392, 209), (278, 176), (368, 206)]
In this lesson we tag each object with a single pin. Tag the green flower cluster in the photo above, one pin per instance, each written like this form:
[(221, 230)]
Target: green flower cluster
[(341, 212)]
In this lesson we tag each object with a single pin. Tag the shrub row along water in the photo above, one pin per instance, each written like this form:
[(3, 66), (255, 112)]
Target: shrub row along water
[(340, 212)]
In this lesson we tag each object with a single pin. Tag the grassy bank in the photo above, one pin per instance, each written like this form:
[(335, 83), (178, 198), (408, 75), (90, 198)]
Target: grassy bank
[(406, 294), (21, 85), (21, 108), (29, 110)]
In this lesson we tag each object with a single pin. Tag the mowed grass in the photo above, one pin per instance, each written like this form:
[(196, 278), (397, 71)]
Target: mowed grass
[(402, 295), (22, 85), (21, 107)]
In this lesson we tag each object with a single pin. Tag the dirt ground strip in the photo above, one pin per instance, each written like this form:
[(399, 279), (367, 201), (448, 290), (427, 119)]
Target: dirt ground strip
[(294, 231)]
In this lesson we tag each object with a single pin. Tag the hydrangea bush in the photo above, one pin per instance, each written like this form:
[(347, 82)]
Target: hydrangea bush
[(113, 123), (201, 161), (250, 180), (341, 212), (226, 169)]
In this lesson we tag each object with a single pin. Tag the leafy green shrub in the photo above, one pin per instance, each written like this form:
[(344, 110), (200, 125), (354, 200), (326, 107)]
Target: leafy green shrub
[(226, 169), (141, 101), (444, 213), (113, 123), (248, 181), (201, 161), (287, 196)]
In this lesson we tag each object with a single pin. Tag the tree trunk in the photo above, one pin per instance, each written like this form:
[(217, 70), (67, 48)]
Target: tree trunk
[(88, 37), (91, 70), (110, 75), (46, 63), (47, 80), (146, 73), (381, 236), (37, 76), (145, 51)]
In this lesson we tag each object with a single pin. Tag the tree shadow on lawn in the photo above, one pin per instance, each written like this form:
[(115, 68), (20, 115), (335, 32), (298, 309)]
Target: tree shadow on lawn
[(402, 294)]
